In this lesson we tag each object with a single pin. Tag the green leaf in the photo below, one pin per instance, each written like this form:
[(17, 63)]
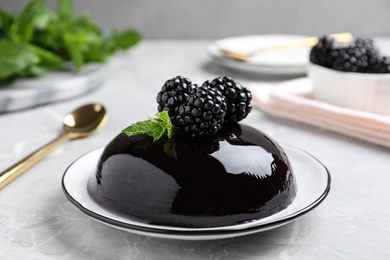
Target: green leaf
[(144, 127), (14, 58), (73, 43), (22, 26), (44, 21), (169, 148), (125, 39), (152, 127), (85, 23), (64, 9), (49, 38), (34, 71), (6, 20), (48, 59), (94, 54), (165, 122)]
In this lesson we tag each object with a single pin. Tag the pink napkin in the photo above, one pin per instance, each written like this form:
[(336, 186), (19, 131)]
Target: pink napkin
[(292, 100)]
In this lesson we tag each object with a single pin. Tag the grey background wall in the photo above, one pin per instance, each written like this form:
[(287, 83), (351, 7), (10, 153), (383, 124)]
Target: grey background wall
[(222, 18)]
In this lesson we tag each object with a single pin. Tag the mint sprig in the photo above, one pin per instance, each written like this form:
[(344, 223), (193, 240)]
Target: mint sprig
[(155, 128), (38, 40)]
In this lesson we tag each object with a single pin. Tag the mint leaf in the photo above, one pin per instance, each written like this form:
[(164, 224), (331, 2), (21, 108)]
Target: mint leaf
[(49, 38), (5, 22), (144, 127), (22, 26), (85, 23), (165, 122), (95, 54), (125, 39), (73, 43), (169, 148), (120, 40), (48, 59), (152, 127), (64, 9), (14, 58)]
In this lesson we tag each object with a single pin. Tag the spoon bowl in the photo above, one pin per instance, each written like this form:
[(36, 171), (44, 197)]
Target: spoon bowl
[(84, 121), (80, 123)]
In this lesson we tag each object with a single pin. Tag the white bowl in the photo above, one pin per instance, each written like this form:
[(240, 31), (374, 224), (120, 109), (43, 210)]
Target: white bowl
[(360, 91)]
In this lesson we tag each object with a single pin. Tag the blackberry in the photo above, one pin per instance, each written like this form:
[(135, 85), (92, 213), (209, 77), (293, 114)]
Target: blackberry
[(379, 65), (360, 56), (203, 112), (173, 93), (238, 98), (230, 133), (368, 46), (356, 57), (352, 59), (324, 52)]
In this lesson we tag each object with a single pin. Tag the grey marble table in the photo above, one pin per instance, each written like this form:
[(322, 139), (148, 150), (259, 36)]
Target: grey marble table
[(38, 222)]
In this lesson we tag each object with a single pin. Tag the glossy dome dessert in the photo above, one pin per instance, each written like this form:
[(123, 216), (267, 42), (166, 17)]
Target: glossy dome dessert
[(237, 176)]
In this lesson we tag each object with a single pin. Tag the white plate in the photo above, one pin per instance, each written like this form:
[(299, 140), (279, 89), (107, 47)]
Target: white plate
[(50, 87), (313, 182), (284, 62)]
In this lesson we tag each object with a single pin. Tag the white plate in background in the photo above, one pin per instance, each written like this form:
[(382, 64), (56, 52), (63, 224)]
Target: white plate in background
[(282, 62)]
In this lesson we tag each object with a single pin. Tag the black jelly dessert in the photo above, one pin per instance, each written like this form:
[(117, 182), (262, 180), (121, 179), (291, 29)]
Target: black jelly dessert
[(237, 176)]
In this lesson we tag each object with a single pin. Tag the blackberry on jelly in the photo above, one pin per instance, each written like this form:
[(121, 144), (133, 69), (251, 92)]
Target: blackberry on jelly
[(238, 98), (203, 112), (173, 93)]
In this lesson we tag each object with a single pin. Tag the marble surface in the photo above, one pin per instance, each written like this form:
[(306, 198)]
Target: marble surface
[(38, 222)]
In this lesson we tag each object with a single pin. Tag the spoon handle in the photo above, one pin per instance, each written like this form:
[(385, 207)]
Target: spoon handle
[(18, 168)]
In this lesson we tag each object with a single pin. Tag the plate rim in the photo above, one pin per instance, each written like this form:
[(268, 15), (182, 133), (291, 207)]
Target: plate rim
[(256, 67), (198, 233)]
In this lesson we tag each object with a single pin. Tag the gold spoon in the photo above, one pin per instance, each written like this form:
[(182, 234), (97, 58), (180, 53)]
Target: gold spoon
[(306, 42), (80, 123)]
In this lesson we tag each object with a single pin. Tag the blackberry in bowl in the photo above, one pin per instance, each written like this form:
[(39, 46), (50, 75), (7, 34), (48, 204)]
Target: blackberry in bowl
[(353, 75), (194, 176)]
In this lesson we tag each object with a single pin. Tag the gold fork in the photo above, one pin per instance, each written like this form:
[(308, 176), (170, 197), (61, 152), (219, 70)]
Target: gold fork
[(301, 43)]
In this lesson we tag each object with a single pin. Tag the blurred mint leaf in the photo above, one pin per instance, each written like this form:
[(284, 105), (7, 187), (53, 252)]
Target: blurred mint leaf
[(125, 39), (44, 21), (64, 9), (155, 128), (14, 58), (95, 54), (34, 71), (52, 38), (48, 59), (85, 23), (73, 42), (22, 26), (6, 20)]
